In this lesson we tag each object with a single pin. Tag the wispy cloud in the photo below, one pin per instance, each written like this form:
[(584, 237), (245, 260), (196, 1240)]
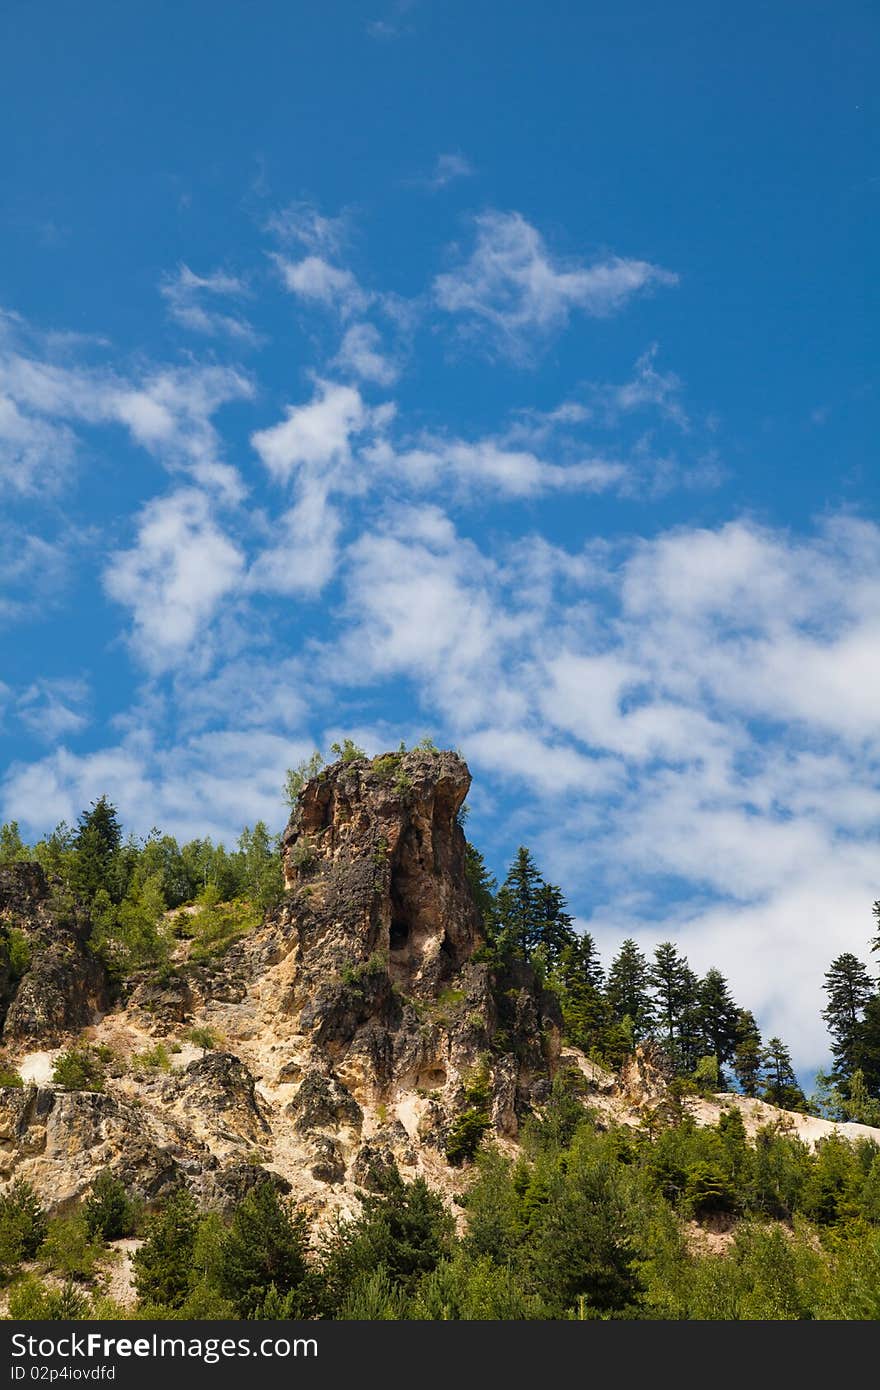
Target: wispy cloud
[(447, 168), (511, 293), (186, 295)]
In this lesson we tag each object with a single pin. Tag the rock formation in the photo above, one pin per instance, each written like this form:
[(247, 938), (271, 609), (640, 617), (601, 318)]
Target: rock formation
[(359, 1022)]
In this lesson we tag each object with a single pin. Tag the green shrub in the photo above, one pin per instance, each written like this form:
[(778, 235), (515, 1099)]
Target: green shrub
[(152, 1060), (108, 1210), (218, 925), (203, 1037), (32, 1301), (265, 1250), (19, 952), (70, 1248), (23, 1223), (78, 1069), (466, 1133), (8, 1075)]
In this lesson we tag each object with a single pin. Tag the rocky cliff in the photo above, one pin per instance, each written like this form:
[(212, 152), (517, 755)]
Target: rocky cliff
[(360, 1025)]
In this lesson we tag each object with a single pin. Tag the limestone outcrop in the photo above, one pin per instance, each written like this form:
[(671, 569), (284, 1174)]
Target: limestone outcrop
[(354, 1027)]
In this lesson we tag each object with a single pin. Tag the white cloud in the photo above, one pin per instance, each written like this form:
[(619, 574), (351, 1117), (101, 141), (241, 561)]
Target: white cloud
[(490, 464), (175, 576), (167, 410), (361, 354), (211, 784), (301, 222), (447, 169), (316, 281), (317, 436), (54, 708), (303, 557), (512, 290), (185, 294)]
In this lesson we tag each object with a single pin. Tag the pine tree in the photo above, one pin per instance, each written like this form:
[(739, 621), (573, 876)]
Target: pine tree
[(555, 930), (585, 1011), (483, 886), (748, 1053), (265, 1249), (849, 990), (163, 1264), (13, 849), (96, 844), (780, 1084), (671, 978), (519, 904), (628, 992), (718, 1017)]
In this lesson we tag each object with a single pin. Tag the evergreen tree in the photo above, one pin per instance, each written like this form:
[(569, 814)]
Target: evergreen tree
[(262, 878), (96, 844), (690, 1044), (519, 904), (848, 986), (555, 930), (483, 886), (718, 1018), (585, 1012), (780, 1084), (748, 1053), (163, 1264), (13, 849), (265, 1249), (670, 977), (628, 992)]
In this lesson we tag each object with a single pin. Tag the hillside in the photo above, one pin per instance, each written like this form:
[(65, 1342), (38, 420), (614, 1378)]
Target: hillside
[(363, 1033)]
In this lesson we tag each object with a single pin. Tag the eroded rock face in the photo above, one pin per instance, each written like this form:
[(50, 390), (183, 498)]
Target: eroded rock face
[(381, 839), (354, 1022), (63, 985)]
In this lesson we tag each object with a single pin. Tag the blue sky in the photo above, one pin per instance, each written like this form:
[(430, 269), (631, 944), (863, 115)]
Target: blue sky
[(504, 373)]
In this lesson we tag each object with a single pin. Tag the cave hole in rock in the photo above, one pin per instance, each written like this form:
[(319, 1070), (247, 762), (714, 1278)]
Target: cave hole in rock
[(399, 934)]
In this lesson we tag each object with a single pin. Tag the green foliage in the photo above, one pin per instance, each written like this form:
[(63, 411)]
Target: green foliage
[(78, 1069), (298, 777), (205, 1038), (32, 1301), (108, 1210), (152, 1060), (218, 924), (467, 1130), (23, 1223), (13, 850), (163, 1264), (18, 952), (70, 1247), (264, 1255), (347, 751), (9, 1076), (404, 1229)]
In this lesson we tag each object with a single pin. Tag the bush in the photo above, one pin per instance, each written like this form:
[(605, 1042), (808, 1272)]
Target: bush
[(205, 1038), (78, 1069), (466, 1133), (8, 1075), (70, 1248), (154, 1059), (23, 1223), (108, 1210), (31, 1301), (218, 925)]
